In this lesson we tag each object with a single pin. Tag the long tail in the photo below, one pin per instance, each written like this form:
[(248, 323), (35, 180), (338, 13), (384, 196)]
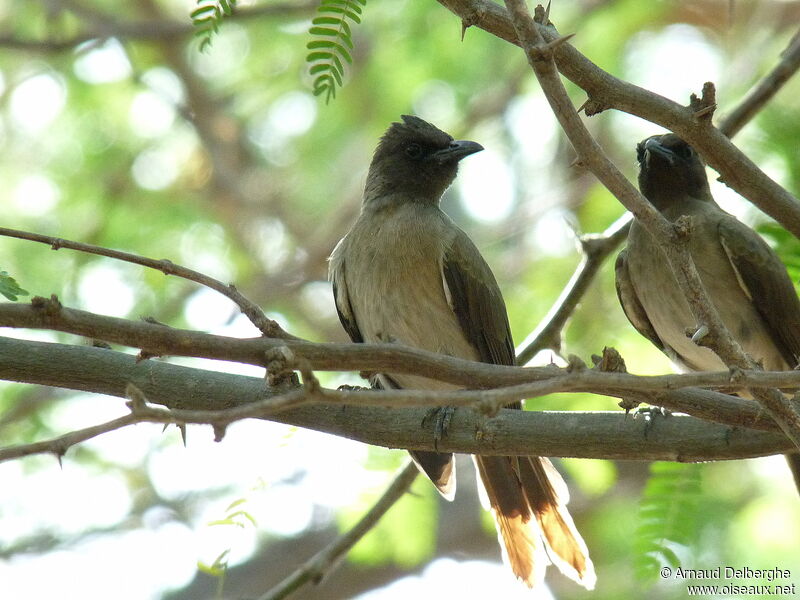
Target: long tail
[(794, 466), (439, 468), (528, 500)]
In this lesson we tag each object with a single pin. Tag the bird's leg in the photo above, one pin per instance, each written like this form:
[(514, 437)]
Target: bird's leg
[(649, 414), (441, 417), (352, 388)]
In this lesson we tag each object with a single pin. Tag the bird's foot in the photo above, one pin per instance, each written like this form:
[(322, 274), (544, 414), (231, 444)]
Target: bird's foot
[(440, 417), (352, 388), (649, 414)]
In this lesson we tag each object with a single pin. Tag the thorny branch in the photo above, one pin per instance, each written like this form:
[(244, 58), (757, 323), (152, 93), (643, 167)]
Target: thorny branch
[(606, 92), (266, 326), (597, 248), (765, 89), (540, 55), (157, 340), (595, 251), (314, 569), (190, 395)]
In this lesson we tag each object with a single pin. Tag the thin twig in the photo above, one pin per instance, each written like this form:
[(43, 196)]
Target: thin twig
[(764, 90), (670, 236), (595, 251), (58, 446), (266, 326), (313, 570)]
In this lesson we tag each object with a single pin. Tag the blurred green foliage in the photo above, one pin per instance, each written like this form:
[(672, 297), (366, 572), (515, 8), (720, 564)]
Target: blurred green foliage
[(226, 162)]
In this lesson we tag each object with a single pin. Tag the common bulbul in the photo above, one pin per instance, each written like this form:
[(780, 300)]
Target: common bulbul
[(405, 273), (744, 278)]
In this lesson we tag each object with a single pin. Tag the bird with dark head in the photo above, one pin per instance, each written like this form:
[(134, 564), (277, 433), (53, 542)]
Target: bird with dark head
[(405, 273), (417, 159), (670, 168), (743, 277)]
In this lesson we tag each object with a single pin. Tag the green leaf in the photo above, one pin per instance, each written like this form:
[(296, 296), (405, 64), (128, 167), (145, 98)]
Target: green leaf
[(323, 31), (338, 64), (207, 18), (246, 515), (321, 44), (236, 503), (341, 11), (668, 514), (10, 288), (332, 31), (319, 68), (320, 55), (211, 10), (328, 21)]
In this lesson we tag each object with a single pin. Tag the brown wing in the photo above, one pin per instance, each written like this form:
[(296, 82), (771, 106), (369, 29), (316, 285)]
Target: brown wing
[(764, 279), (476, 300)]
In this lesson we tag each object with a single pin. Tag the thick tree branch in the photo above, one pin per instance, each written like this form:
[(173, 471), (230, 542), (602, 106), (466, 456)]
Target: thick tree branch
[(158, 340), (606, 91), (585, 435), (314, 569), (540, 54)]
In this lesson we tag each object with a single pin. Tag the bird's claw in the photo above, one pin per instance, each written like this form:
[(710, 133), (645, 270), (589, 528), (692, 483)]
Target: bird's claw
[(440, 417), (649, 414)]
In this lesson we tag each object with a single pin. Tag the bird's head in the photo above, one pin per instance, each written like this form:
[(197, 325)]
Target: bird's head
[(670, 169), (415, 161)]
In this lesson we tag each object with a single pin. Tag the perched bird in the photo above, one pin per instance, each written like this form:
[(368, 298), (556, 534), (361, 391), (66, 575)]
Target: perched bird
[(744, 278), (406, 273)]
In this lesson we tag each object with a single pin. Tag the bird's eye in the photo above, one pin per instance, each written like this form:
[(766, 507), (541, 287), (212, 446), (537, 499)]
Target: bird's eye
[(414, 150), (684, 151), (640, 153)]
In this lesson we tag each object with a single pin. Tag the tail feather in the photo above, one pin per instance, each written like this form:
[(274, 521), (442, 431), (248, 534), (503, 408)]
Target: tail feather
[(534, 526), (565, 546), (438, 467), (513, 518)]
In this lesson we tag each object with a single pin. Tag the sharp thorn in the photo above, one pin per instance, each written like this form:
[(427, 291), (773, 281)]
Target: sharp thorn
[(704, 111), (558, 41)]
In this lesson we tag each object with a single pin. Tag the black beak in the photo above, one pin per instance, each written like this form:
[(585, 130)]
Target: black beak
[(652, 148), (457, 150)]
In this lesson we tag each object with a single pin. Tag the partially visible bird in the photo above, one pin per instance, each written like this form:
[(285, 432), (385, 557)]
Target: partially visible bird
[(744, 278), (406, 273)]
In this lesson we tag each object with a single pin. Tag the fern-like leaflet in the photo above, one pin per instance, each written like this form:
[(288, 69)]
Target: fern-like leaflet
[(332, 44), (207, 18), (668, 515), (10, 288)]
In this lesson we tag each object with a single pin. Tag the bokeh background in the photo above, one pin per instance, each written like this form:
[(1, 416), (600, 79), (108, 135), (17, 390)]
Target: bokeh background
[(116, 130)]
